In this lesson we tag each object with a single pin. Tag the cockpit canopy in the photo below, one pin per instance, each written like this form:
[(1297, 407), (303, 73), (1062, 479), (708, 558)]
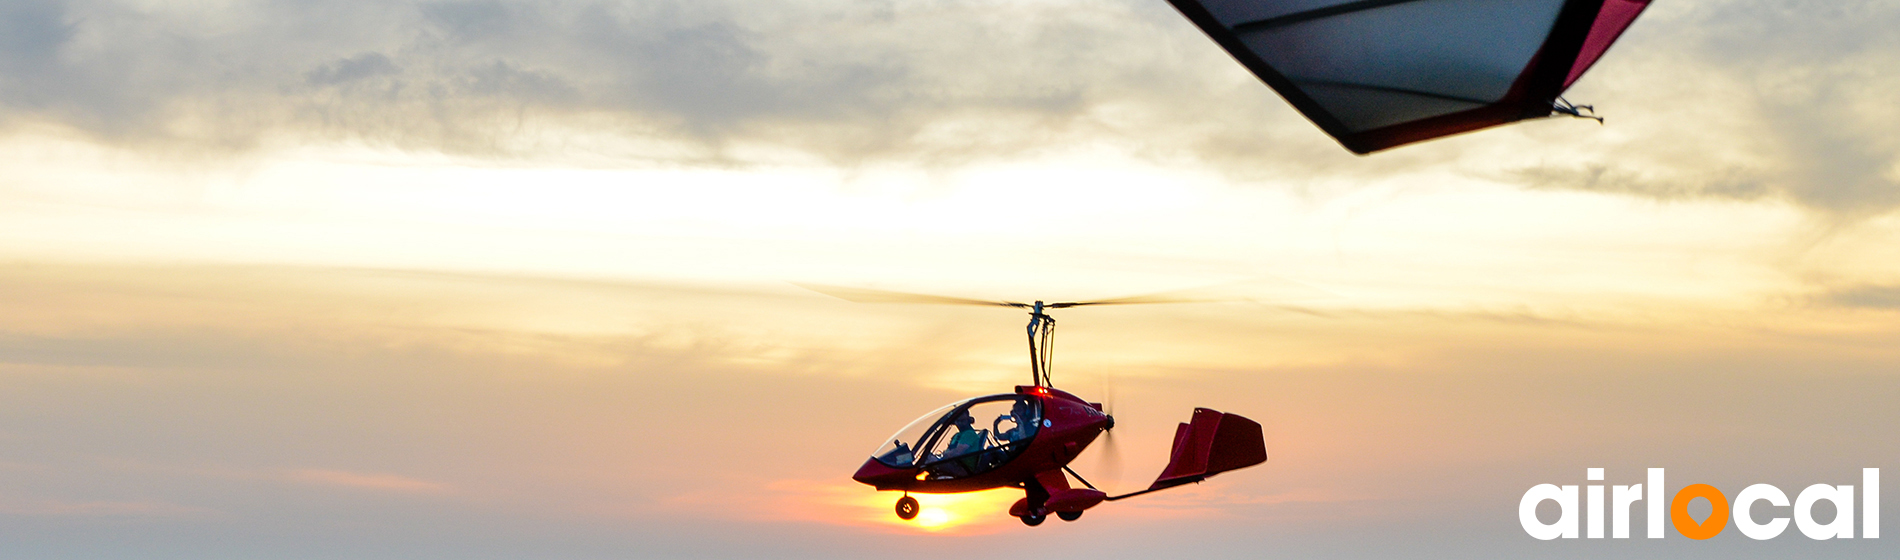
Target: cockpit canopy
[(965, 438)]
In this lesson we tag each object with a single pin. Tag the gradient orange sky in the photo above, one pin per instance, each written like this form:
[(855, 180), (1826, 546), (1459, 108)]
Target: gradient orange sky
[(513, 279)]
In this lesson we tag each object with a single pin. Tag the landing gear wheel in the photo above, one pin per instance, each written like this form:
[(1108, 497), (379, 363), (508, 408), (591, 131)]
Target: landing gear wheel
[(907, 508), (1069, 515), (1033, 519)]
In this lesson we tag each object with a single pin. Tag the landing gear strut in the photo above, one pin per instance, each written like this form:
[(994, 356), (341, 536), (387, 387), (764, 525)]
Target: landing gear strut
[(1037, 496), (907, 508)]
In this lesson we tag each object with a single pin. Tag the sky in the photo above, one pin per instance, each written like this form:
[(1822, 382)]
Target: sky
[(499, 279)]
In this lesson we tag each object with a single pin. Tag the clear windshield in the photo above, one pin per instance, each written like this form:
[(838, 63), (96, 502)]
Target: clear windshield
[(995, 424), (900, 449)]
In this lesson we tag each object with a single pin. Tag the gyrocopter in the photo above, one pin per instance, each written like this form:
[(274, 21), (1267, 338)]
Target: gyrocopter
[(1026, 438)]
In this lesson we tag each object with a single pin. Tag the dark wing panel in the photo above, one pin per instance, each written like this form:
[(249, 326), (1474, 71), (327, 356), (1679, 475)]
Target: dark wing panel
[(1380, 73)]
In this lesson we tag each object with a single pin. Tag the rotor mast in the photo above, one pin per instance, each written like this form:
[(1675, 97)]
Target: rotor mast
[(1042, 330), (1040, 323)]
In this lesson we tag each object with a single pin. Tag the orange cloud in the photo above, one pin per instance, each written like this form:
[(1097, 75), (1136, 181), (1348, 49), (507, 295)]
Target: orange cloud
[(370, 481)]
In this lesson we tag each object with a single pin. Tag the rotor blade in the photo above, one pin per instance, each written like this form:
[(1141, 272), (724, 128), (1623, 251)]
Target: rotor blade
[(1131, 300), (1254, 290), (866, 295)]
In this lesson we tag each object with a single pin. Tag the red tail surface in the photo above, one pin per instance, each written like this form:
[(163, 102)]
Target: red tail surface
[(1213, 442)]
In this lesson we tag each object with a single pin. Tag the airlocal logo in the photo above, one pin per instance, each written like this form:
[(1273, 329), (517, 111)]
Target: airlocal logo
[(1621, 497)]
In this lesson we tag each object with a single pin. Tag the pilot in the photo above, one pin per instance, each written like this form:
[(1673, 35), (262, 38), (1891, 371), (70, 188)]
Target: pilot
[(967, 440), (1024, 417), (959, 455)]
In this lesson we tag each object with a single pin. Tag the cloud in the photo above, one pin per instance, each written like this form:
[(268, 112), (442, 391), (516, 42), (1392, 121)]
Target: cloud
[(1738, 99), (97, 508), (365, 481), (351, 70), (1745, 100), (1866, 296), (846, 80)]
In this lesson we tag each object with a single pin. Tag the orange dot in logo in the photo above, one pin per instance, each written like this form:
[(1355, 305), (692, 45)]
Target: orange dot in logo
[(1710, 527)]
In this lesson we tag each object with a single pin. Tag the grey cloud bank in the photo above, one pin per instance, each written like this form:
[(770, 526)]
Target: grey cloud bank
[(1739, 99), (842, 80), (1748, 99)]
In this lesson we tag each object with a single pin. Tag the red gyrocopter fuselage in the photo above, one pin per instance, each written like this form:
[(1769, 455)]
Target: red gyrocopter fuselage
[(1036, 430), (1027, 439)]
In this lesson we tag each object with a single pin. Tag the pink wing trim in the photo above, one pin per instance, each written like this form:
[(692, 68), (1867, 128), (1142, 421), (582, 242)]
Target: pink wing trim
[(1617, 15)]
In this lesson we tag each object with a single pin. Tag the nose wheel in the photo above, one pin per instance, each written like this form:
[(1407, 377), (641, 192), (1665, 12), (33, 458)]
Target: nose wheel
[(907, 508)]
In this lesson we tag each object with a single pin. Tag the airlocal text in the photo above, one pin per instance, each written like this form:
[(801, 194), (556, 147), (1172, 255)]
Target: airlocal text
[(1651, 494)]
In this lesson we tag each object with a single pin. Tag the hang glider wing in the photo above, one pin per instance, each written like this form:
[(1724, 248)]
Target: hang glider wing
[(1382, 73)]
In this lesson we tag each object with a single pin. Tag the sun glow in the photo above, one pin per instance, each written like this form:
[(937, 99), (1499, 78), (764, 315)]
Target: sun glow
[(934, 518), (850, 503), (953, 513)]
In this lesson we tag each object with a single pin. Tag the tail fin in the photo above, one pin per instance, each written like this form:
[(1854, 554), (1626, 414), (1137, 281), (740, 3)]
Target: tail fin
[(1212, 443)]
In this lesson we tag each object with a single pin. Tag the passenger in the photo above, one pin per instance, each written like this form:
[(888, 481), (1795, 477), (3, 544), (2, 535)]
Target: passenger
[(1024, 417)]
